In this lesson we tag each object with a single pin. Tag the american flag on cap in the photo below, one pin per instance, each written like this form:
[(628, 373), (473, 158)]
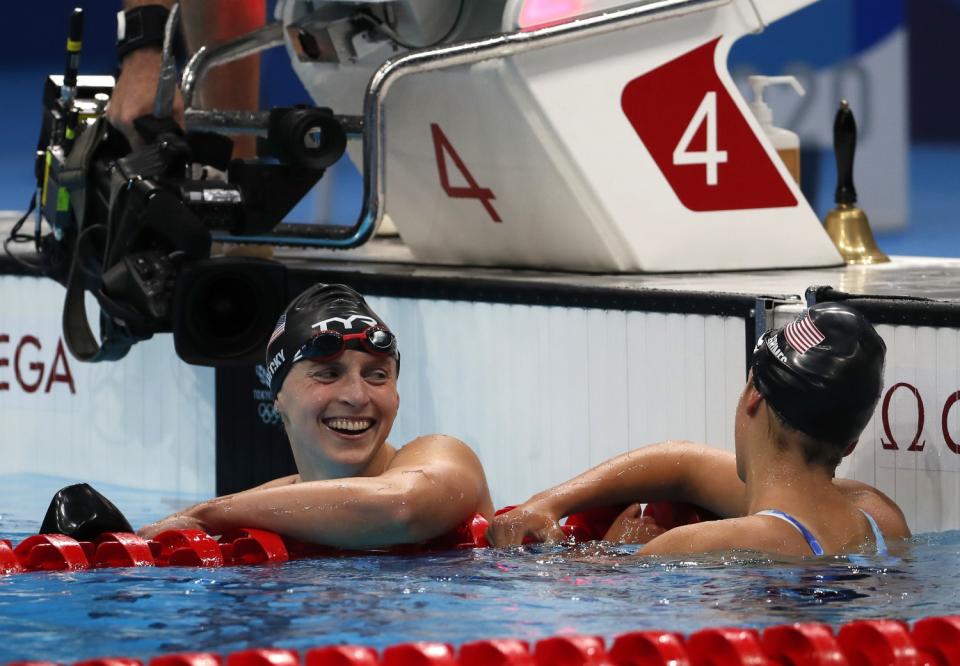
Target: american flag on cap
[(278, 331), (803, 334)]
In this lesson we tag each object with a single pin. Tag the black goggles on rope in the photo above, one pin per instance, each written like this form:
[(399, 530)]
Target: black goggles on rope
[(326, 345)]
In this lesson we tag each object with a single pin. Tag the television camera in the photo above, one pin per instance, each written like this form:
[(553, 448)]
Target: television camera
[(132, 226)]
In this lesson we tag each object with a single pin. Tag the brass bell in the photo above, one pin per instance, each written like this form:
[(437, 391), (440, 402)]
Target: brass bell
[(846, 224), (849, 230)]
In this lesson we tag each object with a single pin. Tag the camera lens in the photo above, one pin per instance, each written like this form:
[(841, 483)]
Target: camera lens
[(226, 308), (226, 312)]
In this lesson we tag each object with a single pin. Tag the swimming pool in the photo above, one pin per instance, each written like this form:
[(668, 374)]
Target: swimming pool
[(454, 597)]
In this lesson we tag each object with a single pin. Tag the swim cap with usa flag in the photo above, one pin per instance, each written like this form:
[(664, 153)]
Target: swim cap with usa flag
[(823, 372), (323, 307)]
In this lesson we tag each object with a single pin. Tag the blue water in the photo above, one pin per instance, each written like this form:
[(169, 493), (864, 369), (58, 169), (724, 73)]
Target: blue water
[(379, 600)]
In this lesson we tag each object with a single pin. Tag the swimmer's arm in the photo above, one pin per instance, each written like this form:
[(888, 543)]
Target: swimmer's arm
[(677, 471), (707, 537), (433, 485)]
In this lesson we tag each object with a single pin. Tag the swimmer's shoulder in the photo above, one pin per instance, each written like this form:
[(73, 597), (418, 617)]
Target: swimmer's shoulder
[(435, 447), (443, 456), (882, 508), (712, 536)]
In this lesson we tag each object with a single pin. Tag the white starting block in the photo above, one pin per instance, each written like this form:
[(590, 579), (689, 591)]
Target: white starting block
[(607, 142)]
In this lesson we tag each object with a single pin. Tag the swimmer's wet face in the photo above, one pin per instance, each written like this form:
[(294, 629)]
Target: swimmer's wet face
[(320, 323), (338, 413), (334, 366)]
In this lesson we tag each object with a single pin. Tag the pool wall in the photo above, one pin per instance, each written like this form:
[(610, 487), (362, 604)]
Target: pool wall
[(146, 422), (542, 382)]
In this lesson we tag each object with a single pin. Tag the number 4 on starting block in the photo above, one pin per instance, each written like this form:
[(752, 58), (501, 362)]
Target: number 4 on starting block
[(713, 136)]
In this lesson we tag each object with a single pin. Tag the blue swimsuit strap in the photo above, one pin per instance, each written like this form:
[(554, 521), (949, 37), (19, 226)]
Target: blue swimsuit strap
[(815, 546), (877, 534)]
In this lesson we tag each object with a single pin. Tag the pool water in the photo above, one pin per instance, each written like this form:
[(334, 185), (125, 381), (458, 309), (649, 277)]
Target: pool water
[(526, 593)]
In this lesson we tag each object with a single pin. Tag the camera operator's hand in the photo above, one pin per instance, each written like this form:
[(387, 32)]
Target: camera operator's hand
[(135, 91)]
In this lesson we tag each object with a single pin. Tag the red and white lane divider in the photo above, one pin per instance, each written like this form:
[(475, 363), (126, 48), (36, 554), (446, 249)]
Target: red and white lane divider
[(932, 641)]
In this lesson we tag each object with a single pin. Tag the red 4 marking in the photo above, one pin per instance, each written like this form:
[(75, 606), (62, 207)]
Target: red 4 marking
[(441, 145)]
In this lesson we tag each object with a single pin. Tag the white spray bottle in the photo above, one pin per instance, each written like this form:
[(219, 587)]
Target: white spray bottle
[(786, 143)]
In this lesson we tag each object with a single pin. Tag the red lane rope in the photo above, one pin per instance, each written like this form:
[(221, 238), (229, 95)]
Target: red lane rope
[(195, 548), (933, 641), (56, 552)]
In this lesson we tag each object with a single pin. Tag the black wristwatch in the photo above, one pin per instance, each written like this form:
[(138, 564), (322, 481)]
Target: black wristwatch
[(140, 27)]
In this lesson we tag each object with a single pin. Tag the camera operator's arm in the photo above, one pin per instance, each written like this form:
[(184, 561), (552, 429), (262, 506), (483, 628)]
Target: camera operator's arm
[(433, 485), (136, 87), (232, 86)]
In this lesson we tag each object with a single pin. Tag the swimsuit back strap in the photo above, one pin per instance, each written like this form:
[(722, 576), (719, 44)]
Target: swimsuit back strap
[(815, 546), (877, 534)]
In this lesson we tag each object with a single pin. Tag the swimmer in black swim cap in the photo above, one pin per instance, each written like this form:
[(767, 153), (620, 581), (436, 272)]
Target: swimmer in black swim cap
[(822, 375), (322, 322), (813, 386), (334, 365)]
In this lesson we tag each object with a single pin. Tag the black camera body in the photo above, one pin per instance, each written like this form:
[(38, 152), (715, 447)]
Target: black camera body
[(133, 226)]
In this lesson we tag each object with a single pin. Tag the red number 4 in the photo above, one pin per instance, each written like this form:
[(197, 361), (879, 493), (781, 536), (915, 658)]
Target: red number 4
[(441, 145)]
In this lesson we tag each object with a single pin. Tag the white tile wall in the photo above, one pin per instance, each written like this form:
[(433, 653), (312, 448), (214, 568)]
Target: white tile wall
[(543, 393), (146, 421)]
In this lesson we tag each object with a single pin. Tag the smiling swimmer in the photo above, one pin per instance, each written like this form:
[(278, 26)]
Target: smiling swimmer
[(812, 388), (334, 366)]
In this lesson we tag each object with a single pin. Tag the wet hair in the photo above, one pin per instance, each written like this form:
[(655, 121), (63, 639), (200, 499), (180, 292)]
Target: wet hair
[(821, 375), (815, 452), (333, 307)]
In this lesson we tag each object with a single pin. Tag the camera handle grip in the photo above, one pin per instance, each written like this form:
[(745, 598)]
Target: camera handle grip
[(76, 327)]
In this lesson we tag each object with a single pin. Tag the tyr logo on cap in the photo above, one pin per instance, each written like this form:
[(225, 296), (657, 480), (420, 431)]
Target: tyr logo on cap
[(347, 323), (803, 334)]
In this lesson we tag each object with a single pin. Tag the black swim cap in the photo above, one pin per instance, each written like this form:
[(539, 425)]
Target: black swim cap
[(322, 307), (822, 373)]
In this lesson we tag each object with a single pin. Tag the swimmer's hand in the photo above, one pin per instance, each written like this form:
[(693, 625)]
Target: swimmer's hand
[(534, 520), (631, 527), (135, 91), (178, 521)]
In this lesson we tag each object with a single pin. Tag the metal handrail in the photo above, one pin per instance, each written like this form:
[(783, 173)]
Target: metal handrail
[(453, 55), (207, 57)]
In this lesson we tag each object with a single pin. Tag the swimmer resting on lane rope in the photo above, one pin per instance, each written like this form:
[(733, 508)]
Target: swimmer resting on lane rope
[(334, 367), (812, 388)]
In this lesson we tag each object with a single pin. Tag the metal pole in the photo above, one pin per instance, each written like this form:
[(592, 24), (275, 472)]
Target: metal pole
[(206, 58)]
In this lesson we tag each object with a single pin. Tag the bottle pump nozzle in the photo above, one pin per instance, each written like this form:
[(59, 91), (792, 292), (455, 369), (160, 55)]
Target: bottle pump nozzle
[(759, 84)]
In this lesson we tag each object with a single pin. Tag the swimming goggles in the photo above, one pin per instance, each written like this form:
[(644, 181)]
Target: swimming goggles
[(327, 344)]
